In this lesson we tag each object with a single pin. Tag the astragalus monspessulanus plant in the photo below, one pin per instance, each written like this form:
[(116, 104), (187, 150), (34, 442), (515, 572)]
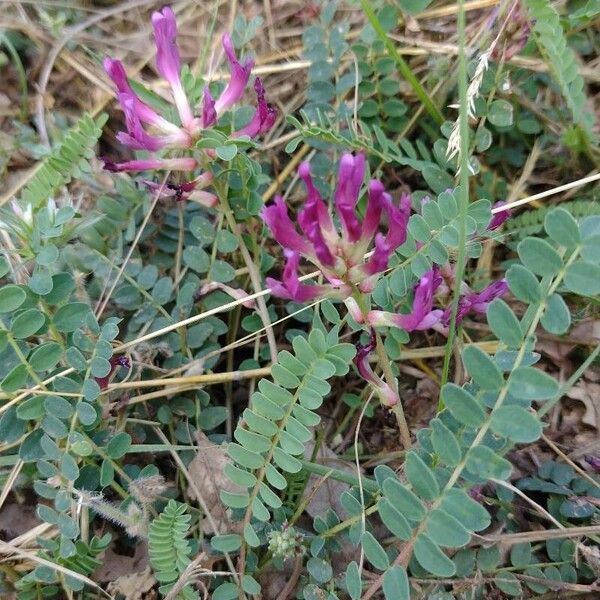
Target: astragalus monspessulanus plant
[(314, 390), (172, 146)]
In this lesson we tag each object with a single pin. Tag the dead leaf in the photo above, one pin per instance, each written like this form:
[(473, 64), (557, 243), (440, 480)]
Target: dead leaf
[(17, 519), (589, 394), (326, 494), (206, 470), (137, 586), (116, 565)]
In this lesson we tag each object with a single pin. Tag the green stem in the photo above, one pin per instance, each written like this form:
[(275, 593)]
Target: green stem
[(463, 190), (368, 484), (402, 65)]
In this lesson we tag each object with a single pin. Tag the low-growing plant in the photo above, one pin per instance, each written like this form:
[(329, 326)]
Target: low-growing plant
[(190, 362)]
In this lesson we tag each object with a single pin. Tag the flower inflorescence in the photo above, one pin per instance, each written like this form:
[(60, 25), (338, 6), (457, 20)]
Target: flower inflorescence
[(167, 141)]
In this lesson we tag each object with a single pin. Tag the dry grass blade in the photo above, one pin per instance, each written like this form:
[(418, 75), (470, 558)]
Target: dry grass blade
[(9, 550)]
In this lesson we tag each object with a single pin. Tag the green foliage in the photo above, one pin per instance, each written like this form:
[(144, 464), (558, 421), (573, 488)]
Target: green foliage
[(69, 160), (169, 549), (79, 557), (531, 222), (561, 59), (275, 427)]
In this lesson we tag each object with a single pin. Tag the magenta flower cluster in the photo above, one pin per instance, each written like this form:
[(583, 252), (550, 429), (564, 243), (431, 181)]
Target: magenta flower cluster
[(342, 254), (166, 135), (339, 255)]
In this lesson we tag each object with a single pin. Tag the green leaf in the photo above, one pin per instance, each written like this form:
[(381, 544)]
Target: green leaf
[(250, 536), (246, 458), (485, 463), (58, 406), (530, 383), (421, 477), (583, 278), (437, 179), (252, 441), (250, 585), (275, 478), (520, 555), (284, 377), (319, 569), (118, 446), (462, 405), (414, 7), (353, 581), (395, 584), (15, 379), (393, 519), (75, 359), (45, 357), (482, 368), (446, 530), (69, 468), (431, 558), (562, 228), (539, 256), (444, 443), (284, 461), (504, 324), (516, 423), (239, 476), (226, 591), (31, 409), (508, 582), (465, 510), (524, 284), (234, 499), (226, 152), (27, 323), (226, 543), (374, 552), (71, 316), (501, 113), (557, 316), (86, 413), (403, 499), (11, 297)]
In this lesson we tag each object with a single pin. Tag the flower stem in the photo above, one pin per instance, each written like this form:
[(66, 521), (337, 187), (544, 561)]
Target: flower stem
[(384, 364), (463, 190), (403, 67)]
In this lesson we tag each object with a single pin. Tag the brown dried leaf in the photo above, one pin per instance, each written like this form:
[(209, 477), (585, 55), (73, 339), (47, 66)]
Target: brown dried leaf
[(116, 566), (206, 471), (326, 494), (137, 586), (589, 394)]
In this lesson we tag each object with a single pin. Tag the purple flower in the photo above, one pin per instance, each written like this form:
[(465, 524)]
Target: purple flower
[(190, 190), (499, 217), (290, 287), (281, 226), (264, 116), (169, 135), (209, 114), (137, 138), (387, 396), (237, 81), (168, 61), (149, 164), (475, 302), (350, 178), (340, 258), (593, 461), (116, 71), (115, 361), (421, 316)]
